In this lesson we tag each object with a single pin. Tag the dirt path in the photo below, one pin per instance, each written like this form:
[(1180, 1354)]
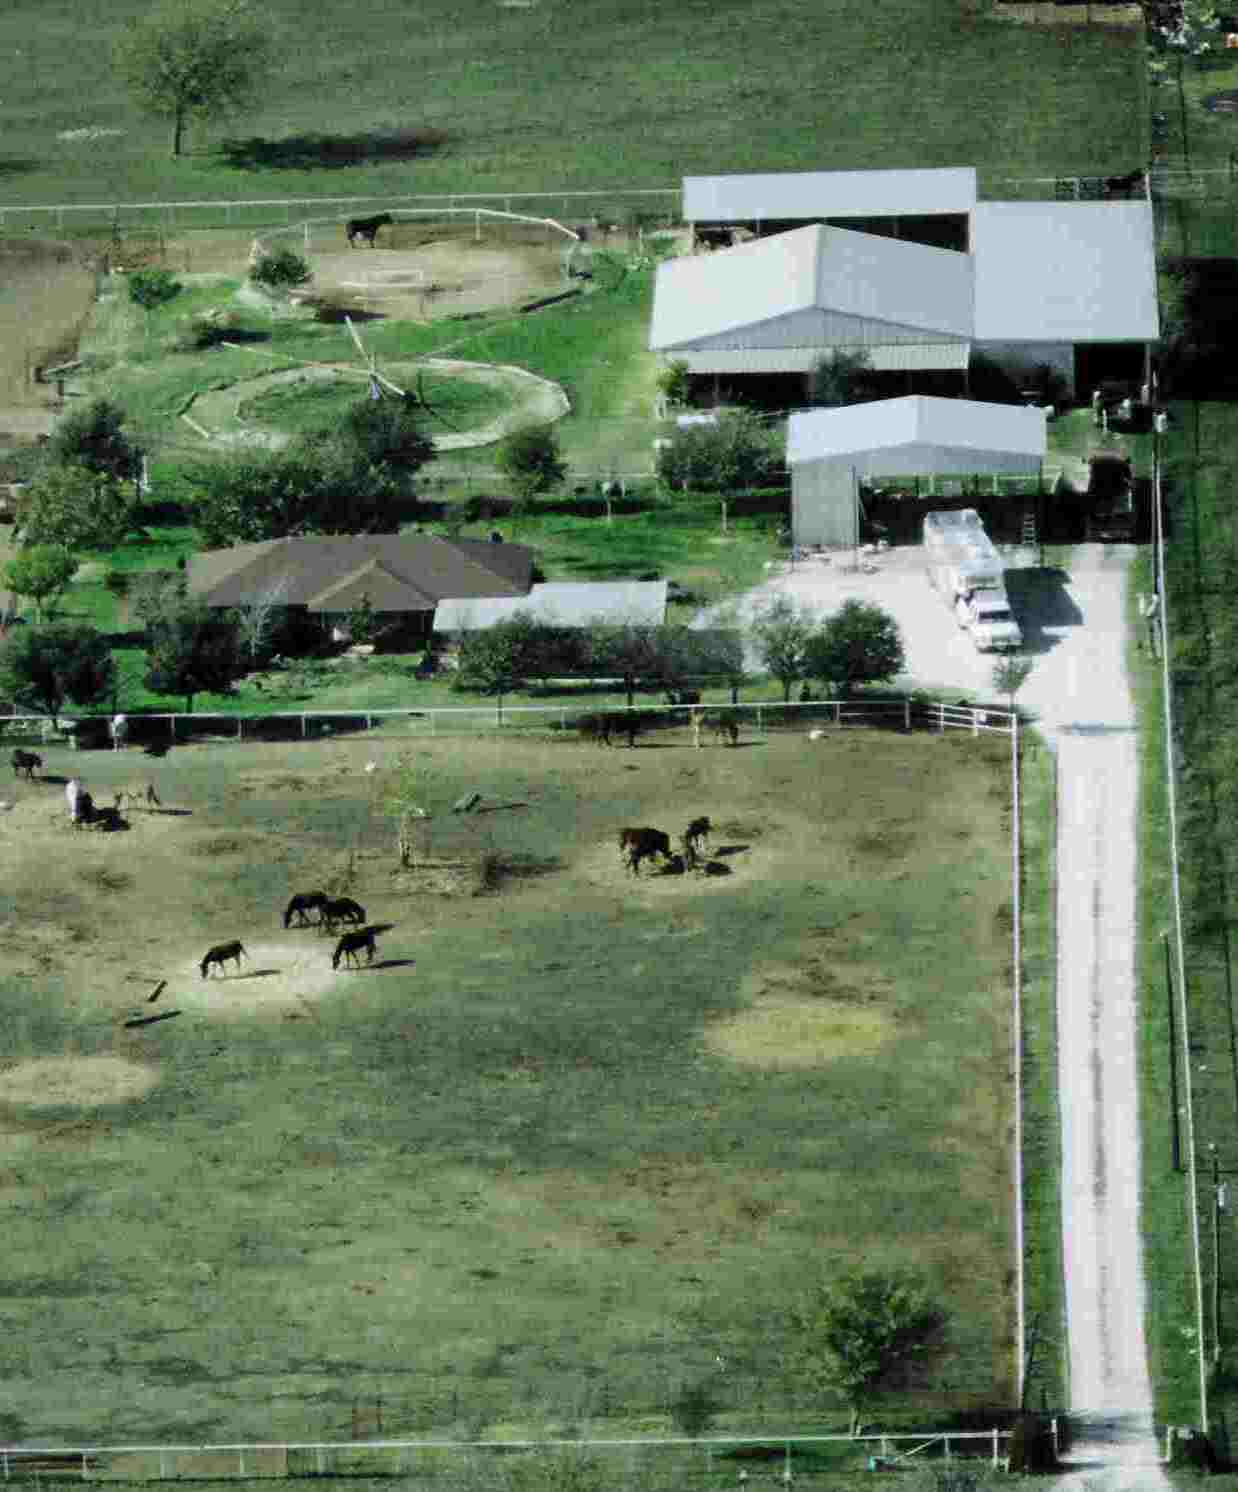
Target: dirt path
[(1075, 625)]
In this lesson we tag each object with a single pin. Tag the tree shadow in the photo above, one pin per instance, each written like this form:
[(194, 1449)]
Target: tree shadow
[(318, 152), (16, 165)]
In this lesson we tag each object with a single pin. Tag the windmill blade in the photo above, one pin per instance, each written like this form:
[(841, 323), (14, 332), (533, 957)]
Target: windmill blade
[(360, 344), (429, 408)]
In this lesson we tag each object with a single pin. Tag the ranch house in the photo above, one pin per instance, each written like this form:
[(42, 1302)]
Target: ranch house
[(830, 451), (319, 580), (1066, 285)]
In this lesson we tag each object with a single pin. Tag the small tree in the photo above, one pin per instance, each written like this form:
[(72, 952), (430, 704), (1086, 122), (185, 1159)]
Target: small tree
[(842, 377), (362, 622), (860, 1327), (281, 270), (1010, 675), (503, 657), (189, 649), (674, 382), (388, 432), (152, 288), (78, 507), (783, 632), (406, 798), (195, 58), (45, 666), (531, 459), (735, 453), (41, 572), (93, 436), (859, 644)]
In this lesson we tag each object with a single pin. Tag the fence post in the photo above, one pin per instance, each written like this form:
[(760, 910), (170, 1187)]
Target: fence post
[(838, 712), (240, 1462), (760, 720), (302, 727), (163, 1466), (946, 1440), (319, 1463), (906, 714), (5, 1454), (975, 722), (941, 717), (996, 1456), (172, 723), (369, 722), (240, 726)]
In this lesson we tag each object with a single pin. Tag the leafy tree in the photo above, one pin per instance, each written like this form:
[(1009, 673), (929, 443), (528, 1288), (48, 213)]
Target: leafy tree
[(674, 382), (783, 632), (387, 432), (859, 644), (309, 488), (735, 453), (362, 621), (282, 269), (531, 459), (152, 288), (42, 572), (501, 658), (191, 648), (45, 666), (79, 507), (1010, 675), (843, 377), (93, 436), (858, 1328), (195, 58)]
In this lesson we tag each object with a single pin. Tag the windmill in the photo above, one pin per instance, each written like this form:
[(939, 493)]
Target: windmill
[(378, 382)]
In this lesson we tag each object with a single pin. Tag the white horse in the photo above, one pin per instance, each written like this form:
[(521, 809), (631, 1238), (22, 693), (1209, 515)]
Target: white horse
[(120, 732), (72, 792)]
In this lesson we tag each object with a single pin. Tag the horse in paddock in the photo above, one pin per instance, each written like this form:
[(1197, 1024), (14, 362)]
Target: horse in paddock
[(366, 228), (340, 909), (221, 953), (696, 834), (725, 727), (351, 944), (25, 761), (137, 793), (636, 845), (302, 904)]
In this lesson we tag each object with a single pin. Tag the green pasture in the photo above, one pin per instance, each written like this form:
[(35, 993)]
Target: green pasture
[(568, 1143), (493, 98)]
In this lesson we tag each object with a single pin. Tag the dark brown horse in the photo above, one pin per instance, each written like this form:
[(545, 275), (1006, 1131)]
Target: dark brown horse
[(636, 845), (26, 761), (351, 944), (220, 955), (366, 228), (302, 904)]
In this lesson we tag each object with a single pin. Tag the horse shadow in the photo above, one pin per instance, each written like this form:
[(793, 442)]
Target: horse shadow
[(717, 868), (171, 813), (724, 850), (389, 963), (253, 974)]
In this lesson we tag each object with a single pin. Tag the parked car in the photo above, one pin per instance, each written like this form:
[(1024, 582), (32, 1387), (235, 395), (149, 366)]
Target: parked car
[(989, 619), (1110, 498)]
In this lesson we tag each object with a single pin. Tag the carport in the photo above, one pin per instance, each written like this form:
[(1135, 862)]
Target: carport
[(830, 450)]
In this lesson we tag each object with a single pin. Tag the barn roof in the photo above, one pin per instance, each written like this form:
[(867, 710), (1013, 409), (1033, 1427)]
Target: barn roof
[(331, 572), (920, 434), (769, 196), (562, 604), (1065, 272), (883, 281)]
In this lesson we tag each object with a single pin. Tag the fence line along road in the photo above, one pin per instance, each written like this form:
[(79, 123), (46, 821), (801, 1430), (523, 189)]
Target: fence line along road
[(284, 1459), (906, 714)]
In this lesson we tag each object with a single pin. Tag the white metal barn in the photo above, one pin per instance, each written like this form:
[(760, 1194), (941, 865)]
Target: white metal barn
[(806, 196), (778, 305), (829, 450), (1056, 280)]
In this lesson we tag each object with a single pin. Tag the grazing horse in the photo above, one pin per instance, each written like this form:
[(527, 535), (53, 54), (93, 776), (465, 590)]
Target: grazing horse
[(221, 953), (366, 228), (137, 793), (301, 905), (351, 944), (696, 834), (83, 808), (725, 727), (636, 845), (26, 761), (340, 909)]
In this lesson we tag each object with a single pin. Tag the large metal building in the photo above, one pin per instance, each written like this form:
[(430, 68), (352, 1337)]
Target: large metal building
[(830, 450)]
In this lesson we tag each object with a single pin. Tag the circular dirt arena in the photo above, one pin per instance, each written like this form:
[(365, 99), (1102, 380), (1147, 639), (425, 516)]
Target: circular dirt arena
[(442, 277)]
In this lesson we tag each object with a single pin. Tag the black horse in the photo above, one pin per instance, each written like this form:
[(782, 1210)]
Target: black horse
[(26, 761), (366, 228), (220, 955), (301, 905), (351, 944), (340, 909)]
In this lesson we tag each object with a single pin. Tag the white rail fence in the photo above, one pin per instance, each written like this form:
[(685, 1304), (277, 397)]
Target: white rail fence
[(454, 1458), (662, 202), (892, 714)]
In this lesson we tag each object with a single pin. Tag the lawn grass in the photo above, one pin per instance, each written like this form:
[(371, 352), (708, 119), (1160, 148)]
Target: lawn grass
[(597, 1137), (522, 99), (1046, 1382)]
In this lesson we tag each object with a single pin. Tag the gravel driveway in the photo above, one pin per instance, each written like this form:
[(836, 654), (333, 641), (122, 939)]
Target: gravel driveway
[(1075, 629)]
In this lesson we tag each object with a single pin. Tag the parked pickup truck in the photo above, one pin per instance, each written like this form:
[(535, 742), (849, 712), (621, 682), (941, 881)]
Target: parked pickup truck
[(989, 619)]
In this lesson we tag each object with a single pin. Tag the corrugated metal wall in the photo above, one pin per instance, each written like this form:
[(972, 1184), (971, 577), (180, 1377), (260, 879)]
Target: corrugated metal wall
[(823, 509)]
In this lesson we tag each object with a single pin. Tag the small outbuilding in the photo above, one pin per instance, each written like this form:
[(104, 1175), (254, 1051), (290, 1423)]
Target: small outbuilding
[(830, 450)]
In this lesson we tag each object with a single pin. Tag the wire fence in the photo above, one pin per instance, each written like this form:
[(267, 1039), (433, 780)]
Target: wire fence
[(678, 1462), (764, 718)]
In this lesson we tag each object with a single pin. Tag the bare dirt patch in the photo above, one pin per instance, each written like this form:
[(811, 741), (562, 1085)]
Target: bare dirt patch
[(781, 1030), (76, 1082), (282, 979), (441, 278)]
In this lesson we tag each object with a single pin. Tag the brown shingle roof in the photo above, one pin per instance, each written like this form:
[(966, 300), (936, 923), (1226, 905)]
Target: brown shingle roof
[(331, 572)]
